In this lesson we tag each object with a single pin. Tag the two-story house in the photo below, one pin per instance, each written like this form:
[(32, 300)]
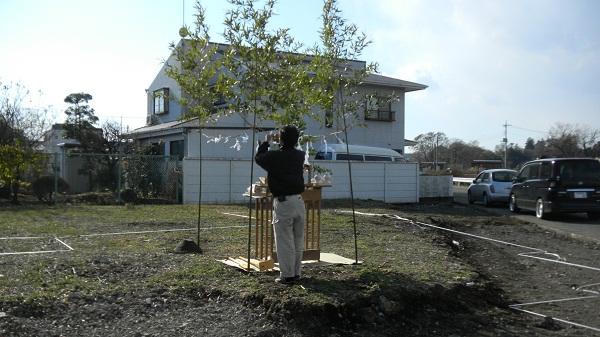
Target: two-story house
[(216, 157), (229, 137)]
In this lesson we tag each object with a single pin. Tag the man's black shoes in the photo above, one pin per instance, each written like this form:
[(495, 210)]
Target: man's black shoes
[(286, 280)]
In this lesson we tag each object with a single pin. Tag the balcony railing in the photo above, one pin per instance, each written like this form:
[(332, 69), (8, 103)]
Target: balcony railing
[(380, 115)]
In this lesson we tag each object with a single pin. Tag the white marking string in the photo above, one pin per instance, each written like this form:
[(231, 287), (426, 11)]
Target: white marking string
[(533, 251)]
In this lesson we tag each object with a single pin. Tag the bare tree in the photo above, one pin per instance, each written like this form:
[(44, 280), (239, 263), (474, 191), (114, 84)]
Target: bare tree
[(588, 138), (19, 120), (564, 140), (430, 146), (22, 129)]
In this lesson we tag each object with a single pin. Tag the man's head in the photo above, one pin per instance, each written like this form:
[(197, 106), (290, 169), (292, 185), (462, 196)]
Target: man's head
[(288, 136)]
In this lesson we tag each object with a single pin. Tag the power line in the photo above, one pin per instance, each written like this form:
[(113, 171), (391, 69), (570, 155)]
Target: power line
[(524, 129)]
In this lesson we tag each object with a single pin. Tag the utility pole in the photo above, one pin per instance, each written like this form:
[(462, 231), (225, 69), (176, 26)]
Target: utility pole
[(435, 158), (505, 140)]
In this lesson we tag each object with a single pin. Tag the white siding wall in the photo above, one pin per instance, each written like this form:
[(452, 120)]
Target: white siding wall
[(224, 181)]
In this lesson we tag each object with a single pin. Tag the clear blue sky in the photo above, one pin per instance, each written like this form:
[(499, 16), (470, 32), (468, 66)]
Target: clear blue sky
[(531, 63)]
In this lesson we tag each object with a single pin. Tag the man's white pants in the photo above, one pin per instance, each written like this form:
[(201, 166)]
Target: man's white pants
[(288, 223)]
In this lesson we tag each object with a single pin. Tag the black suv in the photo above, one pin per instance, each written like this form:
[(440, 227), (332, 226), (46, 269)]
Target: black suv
[(558, 185)]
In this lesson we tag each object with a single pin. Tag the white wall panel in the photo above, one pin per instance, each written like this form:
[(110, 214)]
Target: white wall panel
[(225, 180)]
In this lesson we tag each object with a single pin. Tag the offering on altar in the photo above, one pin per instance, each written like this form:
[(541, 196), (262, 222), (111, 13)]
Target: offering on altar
[(259, 188), (324, 179)]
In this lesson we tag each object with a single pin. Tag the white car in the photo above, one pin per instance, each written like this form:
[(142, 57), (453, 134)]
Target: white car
[(491, 186)]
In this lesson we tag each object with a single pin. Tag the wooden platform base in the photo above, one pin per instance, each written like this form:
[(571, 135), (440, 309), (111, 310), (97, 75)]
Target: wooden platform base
[(307, 255), (257, 265)]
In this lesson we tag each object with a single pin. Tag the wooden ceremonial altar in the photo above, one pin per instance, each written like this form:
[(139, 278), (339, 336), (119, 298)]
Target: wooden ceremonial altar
[(264, 253)]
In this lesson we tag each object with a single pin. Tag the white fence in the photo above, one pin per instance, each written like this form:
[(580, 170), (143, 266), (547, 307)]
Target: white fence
[(459, 181), (225, 180)]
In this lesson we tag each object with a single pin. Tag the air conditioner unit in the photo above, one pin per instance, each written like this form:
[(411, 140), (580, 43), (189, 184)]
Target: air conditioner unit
[(152, 120)]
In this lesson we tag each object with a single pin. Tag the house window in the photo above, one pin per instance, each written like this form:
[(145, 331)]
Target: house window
[(221, 101), (329, 118), (158, 148), (176, 149), (161, 101), (379, 110)]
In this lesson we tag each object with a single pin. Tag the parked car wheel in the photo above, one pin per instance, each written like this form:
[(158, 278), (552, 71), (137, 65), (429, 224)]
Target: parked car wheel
[(512, 204), (540, 213), (593, 215), (470, 198), (486, 200)]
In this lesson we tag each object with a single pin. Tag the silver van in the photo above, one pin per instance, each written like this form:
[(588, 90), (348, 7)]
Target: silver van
[(358, 153)]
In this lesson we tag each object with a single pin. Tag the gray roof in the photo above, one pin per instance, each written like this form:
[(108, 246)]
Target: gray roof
[(176, 126), (376, 79), (163, 127)]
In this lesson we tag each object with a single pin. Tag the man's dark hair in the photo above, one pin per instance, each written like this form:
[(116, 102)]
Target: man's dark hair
[(289, 136)]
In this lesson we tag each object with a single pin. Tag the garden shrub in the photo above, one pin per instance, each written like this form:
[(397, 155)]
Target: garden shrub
[(43, 187), (128, 195)]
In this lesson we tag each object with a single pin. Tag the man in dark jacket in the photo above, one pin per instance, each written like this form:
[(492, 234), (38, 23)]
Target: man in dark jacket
[(285, 168)]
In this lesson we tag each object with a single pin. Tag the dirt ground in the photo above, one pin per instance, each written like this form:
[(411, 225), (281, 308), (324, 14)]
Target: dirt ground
[(520, 263), (550, 281)]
